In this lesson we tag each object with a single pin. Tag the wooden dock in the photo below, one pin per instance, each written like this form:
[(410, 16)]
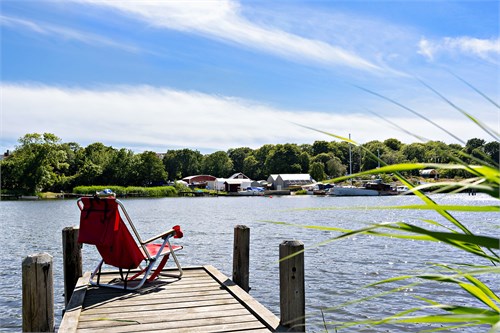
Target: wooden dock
[(203, 300)]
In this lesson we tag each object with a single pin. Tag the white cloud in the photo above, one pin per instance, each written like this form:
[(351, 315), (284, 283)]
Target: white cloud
[(63, 32), (148, 118), (487, 49), (222, 20)]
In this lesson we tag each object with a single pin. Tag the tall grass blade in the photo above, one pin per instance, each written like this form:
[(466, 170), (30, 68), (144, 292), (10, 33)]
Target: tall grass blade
[(491, 132), (412, 111)]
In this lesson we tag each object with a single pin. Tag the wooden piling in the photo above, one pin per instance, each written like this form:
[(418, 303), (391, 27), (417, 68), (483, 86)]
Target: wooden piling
[(292, 288), (38, 293), (72, 260), (241, 257)]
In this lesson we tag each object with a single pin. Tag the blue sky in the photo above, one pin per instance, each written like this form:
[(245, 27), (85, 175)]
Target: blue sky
[(213, 75)]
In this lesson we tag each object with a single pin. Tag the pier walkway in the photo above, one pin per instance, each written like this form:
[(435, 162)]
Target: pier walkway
[(203, 300)]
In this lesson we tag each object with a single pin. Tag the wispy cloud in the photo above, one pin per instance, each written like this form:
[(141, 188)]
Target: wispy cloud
[(48, 29), (223, 21), (145, 117), (486, 49)]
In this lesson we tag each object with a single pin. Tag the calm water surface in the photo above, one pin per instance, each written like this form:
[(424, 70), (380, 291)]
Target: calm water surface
[(335, 272)]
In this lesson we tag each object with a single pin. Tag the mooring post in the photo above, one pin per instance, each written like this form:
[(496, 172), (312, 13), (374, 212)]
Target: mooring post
[(241, 257), (72, 260), (292, 288), (38, 293)]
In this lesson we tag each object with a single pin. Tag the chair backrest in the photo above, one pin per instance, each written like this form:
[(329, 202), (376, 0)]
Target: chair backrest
[(102, 226)]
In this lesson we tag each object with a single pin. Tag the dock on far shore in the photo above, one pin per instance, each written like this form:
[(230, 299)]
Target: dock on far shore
[(203, 300)]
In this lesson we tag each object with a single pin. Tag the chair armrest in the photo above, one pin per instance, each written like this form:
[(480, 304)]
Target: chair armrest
[(168, 233)]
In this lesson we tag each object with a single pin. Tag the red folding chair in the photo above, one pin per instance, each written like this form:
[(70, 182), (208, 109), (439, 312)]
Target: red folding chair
[(101, 224)]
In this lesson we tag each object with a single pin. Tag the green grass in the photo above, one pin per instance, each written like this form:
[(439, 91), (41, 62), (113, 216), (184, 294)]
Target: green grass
[(120, 191), (465, 277)]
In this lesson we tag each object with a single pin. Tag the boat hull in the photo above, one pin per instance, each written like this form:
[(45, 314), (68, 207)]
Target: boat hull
[(348, 191)]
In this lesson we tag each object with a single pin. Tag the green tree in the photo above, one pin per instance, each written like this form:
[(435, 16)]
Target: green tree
[(93, 161), (368, 161), (237, 156), (217, 164), (414, 152), (305, 162), (317, 171), (306, 148), (285, 159), (492, 150), (251, 167), (37, 164), (150, 169), (182, 163), (393, 157), (322, 158), (437, 152), (261, 155), (320, 147), (341, 150), (335, 168), (475, 148), (393, 144), (122, 168)]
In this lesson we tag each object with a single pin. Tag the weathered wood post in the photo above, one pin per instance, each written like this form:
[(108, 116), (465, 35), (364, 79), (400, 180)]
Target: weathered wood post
[(72, 260), (38, 293), (241, 257), (292, 288)]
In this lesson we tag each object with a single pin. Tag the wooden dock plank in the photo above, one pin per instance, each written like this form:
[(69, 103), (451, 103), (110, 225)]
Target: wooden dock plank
[(204, 300), (213, 311)]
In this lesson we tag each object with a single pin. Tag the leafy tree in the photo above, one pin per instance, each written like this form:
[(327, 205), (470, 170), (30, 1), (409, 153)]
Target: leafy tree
[(122, 168), (376, 148), (305, 161), (475, 148), (307, 148), (393, 144), (436, 152), (320, 147), (473, 144), (93, 161), (393, 157), (182, 163), (261, 155), (218, 164), (341, 150), (335, 168), (251, 167), (284, 159), (322, 158), (37, 164), (317, 171), (414, 152), (237, 156), (150, 170), (492, 150)]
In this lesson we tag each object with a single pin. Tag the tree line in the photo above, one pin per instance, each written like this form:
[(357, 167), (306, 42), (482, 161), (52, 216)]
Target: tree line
[(42, 162)]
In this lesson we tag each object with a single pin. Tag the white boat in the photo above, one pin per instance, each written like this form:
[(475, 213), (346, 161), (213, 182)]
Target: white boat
[(251, 191), (351, 191), (403, 190)]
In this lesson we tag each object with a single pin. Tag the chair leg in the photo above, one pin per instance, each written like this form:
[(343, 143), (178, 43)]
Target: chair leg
[(179, 268), (97, 271), (158, 269)]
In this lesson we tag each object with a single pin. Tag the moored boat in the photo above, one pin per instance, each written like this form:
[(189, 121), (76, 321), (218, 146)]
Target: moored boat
[(251, 191), (372, 188), (351, 191)]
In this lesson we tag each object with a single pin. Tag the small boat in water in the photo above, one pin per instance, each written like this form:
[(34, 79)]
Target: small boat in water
[(251, 191), (372, 188), (351, 191)]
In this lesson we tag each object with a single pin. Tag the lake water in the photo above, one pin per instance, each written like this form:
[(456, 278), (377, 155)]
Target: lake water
[(335, 272)]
